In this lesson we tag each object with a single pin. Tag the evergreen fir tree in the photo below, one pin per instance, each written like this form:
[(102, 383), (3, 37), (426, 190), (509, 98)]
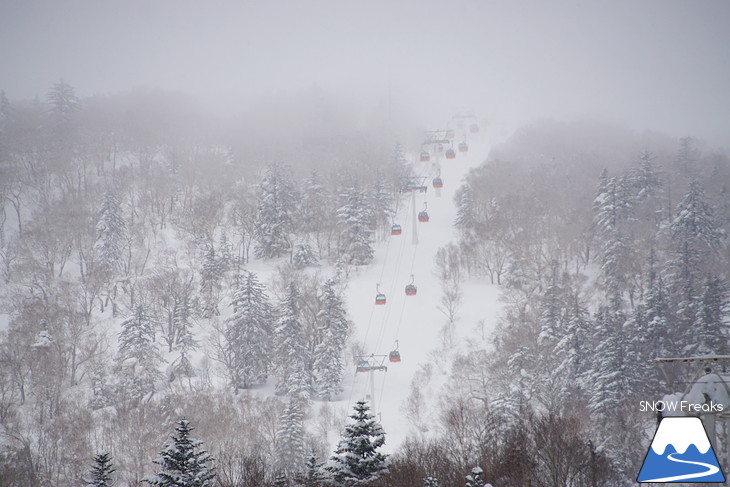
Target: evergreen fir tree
[(333, 328), (695, 236), (101, 473), (314, 476), (274, 218), (356, 460), (292, 357), (138, 357), (183, 322), (111, 235), (290, 439), (184, 463), (551, 310), (211, 274), (304, 256), (431, 482), (573, 349), (356, 217), (474, 479), (613, 209), (62, 100), (711, 326), (248, 334), (609, 374)]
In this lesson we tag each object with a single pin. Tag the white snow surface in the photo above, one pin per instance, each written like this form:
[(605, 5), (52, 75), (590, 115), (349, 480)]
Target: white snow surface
[(416, 321), (680, 433)]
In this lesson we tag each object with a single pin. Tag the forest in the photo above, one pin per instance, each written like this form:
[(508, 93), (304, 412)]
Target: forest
[(160, 265)]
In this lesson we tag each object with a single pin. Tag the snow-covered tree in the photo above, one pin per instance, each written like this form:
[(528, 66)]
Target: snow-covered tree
[(290, 439), (609, 374), (431, 482), (293, 361), (275, 212), (613, 209), (711, 326), (475, 479), (248, 334), (211, 275), (314, 476), (111, 235), (101, 472), (357, 460), (333, 330), (356, 220), (183, 462), (138, 357), (304, 256), (573, 349), (695, 237), (62, 100)]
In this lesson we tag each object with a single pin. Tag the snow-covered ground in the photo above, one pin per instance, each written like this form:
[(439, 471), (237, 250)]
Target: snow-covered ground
[(415, 321)]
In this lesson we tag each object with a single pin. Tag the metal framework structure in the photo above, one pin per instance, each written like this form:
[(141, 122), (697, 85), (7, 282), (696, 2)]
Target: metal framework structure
[(376, 363)]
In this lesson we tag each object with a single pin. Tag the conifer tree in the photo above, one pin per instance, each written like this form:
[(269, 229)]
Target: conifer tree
[(111, 235), (356, 218), (314, 476), (101, 473), (138, 356), (333, 329), (357, 460), (248, 334), (609, 374), (293, 361), (711, 326), (474, 479), (275, 211), (431, 482), (695, 237), (290, 439), (183, 462)]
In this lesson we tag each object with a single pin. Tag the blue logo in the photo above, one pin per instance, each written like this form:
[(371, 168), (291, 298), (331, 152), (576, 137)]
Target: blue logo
[(680, 452)]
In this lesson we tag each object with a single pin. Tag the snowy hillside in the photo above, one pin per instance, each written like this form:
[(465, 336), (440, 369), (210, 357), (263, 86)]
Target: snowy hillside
[(416, 323)]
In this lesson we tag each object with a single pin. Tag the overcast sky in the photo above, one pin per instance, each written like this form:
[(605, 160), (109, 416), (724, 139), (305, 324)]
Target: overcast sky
[(658, 64)]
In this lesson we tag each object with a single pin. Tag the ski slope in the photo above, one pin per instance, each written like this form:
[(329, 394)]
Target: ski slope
[(415, 321)]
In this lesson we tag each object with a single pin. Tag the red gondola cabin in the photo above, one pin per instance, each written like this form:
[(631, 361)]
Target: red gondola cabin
[(438, 183), (380, 298), (423, 217), (411, 290), (425, 157), (395, 230), (450, 154), (463, 147), (394, 356)]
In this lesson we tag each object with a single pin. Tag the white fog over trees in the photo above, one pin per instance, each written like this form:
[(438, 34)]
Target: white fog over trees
[(390, 252)]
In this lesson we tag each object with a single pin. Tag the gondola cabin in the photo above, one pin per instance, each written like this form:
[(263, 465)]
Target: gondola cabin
[(438, 183), (394, 356), (396, 230), (411, 290), (450, 154), (380, 298), (449, 134), (363, 366), (423, 216), (440, 148), (463, 147), (474, 128), (425, 157)]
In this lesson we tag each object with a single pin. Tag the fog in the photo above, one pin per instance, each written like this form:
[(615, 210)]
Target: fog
[(658, 64)]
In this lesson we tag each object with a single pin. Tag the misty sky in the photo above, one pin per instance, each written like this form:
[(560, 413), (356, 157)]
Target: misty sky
[(660, 64)]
